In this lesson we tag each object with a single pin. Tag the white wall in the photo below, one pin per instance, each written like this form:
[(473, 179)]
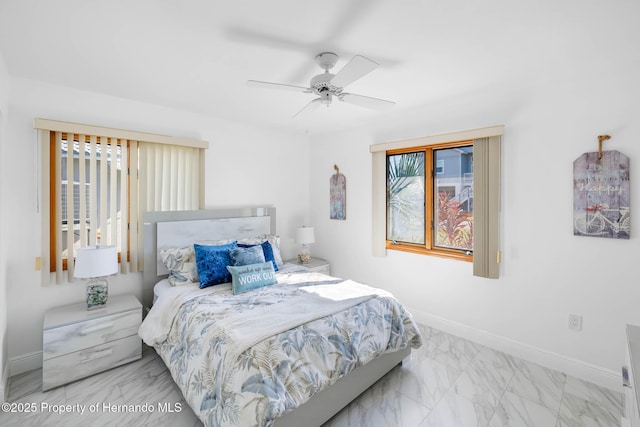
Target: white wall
[(4, 102), (551, 119), (244, 166)]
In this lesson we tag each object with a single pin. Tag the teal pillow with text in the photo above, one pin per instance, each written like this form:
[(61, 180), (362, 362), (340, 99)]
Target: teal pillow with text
[(253, 276)]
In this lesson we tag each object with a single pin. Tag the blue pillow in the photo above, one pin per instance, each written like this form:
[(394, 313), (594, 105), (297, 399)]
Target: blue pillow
[(253, 276), (211, 262), (246, 256), (267, 250)]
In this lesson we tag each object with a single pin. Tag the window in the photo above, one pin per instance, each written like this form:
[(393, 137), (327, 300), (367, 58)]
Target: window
[(76, 199), (430, 199), (474, 185), (406, 198), (101, 181)]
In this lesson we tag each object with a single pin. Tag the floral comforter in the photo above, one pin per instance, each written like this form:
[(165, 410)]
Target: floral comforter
[(281, 372)]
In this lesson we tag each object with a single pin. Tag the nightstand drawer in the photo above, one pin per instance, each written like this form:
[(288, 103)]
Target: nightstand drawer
[(70, 338), (317, 265), (325, 269), (70, 367)]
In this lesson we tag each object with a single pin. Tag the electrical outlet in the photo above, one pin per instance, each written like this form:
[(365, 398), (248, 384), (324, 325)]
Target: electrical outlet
[(575, 322)]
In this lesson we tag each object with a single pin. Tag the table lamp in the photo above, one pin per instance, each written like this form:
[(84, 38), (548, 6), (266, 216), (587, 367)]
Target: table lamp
[(95, 263), (304, 237)]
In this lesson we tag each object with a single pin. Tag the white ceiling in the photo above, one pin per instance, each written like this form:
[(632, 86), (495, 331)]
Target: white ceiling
[(197, 55)]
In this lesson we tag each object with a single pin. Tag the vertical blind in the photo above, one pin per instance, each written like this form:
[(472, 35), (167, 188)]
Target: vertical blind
[(89, 197), (486, 211), (171, 178), (170, 175), (97, 186)]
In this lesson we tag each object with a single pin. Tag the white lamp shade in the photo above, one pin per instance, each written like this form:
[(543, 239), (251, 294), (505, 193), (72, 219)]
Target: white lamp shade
[(96, 261), (305, 235)]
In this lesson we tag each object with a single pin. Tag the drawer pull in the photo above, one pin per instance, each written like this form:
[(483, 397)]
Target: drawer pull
[(96, 328), (98, 355), (625, 377)]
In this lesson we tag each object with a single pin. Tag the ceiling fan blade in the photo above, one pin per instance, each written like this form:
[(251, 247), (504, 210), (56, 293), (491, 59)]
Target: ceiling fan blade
[(267, 85), (356, 68), (311, 106), (366, 101)]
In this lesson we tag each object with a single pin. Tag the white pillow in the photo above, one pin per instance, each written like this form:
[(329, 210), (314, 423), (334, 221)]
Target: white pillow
[(181, 263)]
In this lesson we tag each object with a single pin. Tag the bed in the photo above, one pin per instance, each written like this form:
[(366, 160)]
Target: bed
[(290, 354)]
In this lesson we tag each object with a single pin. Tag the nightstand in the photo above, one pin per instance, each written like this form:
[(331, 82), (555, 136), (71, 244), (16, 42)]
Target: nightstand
[(78, 343), (315, 264)]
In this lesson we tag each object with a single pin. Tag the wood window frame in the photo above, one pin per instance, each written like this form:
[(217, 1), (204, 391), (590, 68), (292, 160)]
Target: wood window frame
[(428, 247)]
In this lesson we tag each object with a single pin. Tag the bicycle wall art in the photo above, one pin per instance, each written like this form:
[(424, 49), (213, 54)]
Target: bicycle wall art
[(601, 195)]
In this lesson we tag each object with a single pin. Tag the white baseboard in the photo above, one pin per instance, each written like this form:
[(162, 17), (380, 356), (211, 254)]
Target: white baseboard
[(574, 367), (4, 383), (25, 363)]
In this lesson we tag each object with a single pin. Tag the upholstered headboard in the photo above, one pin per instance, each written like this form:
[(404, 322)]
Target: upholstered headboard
[(164, 230)]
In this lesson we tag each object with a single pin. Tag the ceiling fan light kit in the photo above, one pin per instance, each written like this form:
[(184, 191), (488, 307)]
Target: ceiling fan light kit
[(327, 60), (327, 85)]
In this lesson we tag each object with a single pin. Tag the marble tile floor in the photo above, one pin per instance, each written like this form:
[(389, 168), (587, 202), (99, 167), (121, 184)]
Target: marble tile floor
[(449, 382)]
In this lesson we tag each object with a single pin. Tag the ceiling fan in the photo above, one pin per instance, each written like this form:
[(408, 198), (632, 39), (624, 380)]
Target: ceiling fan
[(328, 86)]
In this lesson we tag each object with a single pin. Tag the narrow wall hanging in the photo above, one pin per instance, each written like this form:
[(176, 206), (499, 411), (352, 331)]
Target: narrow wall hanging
[(338, 195), (601, 194)]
